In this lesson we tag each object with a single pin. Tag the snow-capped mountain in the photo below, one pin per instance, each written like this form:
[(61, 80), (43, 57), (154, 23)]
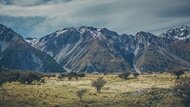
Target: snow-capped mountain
[(17, 54), (31, 41), (154, 53), (181, 33), (88, 49)]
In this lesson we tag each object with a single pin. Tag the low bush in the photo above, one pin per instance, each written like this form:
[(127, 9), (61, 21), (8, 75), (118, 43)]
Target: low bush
[(28, 77), (18, 76), (178, 73), (80, 93), (60, 76), (182, 89), (136, 74), (98, 83), (124, 75)]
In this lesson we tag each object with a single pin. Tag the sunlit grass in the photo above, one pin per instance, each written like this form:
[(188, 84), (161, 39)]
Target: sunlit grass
[(149, 89)]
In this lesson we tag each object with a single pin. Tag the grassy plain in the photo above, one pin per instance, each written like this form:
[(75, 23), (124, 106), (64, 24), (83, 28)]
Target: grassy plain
[(148, 90)]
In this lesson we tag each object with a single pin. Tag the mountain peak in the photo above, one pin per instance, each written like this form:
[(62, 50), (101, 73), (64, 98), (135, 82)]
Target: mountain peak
[(180, 33)]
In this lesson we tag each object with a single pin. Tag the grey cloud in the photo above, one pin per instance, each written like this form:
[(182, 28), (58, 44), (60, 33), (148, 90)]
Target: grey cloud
[(123, 16)]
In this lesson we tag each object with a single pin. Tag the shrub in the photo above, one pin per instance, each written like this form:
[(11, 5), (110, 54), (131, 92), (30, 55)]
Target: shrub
[(49, 75), (124, 75), (69, 78), (60, 76), (81, 74), (72, 74), (28, 77), (81, 93), (178, 74), (23, 77), (136, 74), (182, 89), (98, 83)]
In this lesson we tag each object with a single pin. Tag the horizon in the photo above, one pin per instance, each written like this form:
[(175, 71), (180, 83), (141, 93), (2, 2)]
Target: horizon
[(42, 17)]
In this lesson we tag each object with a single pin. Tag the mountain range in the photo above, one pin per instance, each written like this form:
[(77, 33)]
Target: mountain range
[(89, 49)]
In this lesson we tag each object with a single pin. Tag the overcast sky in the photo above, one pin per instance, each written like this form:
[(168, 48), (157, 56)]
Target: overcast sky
[(36, 18)]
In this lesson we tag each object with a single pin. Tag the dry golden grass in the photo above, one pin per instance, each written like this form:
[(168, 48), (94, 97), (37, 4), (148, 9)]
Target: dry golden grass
[(149, 89)]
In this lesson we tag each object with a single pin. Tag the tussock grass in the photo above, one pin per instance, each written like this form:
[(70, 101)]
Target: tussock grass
[(146, 90)]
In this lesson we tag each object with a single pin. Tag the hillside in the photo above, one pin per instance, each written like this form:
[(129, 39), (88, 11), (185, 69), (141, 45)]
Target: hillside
[(17, 54)]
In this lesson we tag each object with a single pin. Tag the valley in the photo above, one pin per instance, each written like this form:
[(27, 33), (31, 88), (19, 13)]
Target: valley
[(154, 89)]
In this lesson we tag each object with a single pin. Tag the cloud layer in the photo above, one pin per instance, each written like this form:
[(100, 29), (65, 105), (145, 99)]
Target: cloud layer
[(41, 17)]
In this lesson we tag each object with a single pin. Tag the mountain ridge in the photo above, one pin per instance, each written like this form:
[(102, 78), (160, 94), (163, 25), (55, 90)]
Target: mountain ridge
[(124, 47), (19, 55)]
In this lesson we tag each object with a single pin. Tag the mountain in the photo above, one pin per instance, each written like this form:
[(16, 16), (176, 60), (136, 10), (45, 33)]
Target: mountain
[(88, 49), (31, 41), (155, 53), (181, 33), (17, 54)]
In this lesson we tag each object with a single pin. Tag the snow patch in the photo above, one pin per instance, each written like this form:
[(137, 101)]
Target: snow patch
[(1, 32), (136, 51), (60, 32), (3, 45), (136, 69)]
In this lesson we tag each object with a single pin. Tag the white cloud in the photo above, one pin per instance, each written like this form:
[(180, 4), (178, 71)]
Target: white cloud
[(123, 16)]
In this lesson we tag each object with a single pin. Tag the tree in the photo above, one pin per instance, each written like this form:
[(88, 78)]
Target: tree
[(124, 75), (182, 89), (98, 83), (81, 93), (178, 73)]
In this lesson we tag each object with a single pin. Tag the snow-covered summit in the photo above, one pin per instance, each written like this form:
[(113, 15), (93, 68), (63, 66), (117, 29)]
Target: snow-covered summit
[(180, 33)]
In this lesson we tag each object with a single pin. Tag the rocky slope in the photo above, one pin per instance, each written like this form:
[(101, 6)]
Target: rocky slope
[(17, 54), (181, 33), (88, 49), (155, 53)]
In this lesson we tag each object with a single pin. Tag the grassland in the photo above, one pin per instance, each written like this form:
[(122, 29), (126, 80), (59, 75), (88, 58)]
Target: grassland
[(149, 90)]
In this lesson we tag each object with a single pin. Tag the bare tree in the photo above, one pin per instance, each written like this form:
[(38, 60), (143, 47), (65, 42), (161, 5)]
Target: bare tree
[(98, 83), (81, 93)]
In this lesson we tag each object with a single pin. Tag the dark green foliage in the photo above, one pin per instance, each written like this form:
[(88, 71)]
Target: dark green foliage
[(182, 89), (124, 75), (178, 74), (80, 93), (23, 77), (98, 83)]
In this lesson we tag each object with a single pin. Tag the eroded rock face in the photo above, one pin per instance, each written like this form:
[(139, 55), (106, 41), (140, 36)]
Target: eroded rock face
[(88, 49)]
